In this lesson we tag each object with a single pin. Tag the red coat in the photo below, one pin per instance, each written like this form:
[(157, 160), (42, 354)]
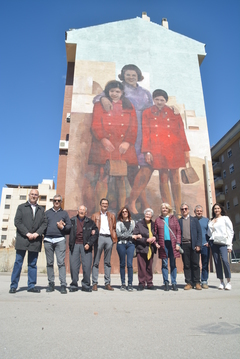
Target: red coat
[(119, 125), (159, 230), (164, 137)]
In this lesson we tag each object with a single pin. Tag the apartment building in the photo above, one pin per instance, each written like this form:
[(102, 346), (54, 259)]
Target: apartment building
[(226, 169)]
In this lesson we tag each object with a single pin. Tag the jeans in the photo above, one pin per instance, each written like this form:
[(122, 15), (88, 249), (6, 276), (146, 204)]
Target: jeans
[(170, 255), (123, 250), (32, 268), (205, 251), (60, 250)]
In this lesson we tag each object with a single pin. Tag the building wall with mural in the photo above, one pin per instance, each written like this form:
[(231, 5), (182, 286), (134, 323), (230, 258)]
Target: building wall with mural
[(134, 126)]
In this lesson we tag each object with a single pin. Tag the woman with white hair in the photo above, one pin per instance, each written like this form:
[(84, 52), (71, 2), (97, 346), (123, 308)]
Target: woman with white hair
[(169, 240), (145, 248)]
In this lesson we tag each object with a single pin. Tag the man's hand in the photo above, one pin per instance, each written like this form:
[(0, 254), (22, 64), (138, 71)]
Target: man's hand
[(93, 232), (197, 249), (61, 224), (30, 236), (107, 145), (106, 104), (124, 147), (86, 247)]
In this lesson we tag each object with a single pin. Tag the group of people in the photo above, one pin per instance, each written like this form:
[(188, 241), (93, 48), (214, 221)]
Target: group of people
[(189, 236), (128, 123)]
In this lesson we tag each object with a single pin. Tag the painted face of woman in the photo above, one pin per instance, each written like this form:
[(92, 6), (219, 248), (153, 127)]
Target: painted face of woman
[(131, 77), (115, 94)]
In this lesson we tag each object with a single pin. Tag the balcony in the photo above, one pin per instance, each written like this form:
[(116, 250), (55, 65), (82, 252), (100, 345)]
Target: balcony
[(217, 168), (220, 197), (218, 182)]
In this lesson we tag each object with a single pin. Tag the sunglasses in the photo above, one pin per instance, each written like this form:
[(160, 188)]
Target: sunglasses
[(56, 200), (124, 211), (184, 209)]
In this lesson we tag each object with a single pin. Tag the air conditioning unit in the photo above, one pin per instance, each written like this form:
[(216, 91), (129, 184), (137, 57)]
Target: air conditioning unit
[(68, 117), (63, 145)]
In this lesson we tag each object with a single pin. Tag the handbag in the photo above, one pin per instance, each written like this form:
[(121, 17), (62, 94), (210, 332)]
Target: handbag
[(116, 168), (189, 175)]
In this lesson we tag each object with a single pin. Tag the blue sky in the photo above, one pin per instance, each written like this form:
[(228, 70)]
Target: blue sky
[(33, 68)]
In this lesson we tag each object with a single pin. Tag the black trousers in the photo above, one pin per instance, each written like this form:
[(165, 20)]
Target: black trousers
[(191, 264)]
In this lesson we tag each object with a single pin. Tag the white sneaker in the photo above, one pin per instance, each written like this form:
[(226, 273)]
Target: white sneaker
[(228, 286), (221, 286)]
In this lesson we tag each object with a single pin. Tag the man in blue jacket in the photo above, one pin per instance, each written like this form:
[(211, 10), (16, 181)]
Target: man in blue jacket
[(191, 244), (54, 241)]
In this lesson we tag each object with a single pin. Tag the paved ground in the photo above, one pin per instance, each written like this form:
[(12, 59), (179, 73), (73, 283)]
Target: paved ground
[(149, 324)]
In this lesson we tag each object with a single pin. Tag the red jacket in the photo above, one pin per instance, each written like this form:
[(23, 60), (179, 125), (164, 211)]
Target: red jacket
[(159, 229), (119, 125), (164, 137)]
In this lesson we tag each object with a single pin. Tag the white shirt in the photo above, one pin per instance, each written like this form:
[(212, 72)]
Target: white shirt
[(104, 229), (221, 228)]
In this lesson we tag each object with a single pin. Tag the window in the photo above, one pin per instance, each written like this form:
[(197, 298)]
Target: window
[(222, 158), (233, 184), (8, 196), (229, 153), (3, 237), (231, 168), (235, 201), (237, 218), (4, 229), (7, 206), (224, 174), (228, 205), (5, 219), (226, 189), (43, 198), (22, 198)]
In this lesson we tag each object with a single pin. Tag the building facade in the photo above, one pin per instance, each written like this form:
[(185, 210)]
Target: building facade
[(226, 169), (12, 197)]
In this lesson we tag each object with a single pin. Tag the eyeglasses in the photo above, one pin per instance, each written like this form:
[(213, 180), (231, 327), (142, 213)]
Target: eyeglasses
[(56, 200), (124, 211), (184, 209)]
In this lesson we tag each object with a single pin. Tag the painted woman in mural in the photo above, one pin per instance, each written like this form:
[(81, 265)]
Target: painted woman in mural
[(114, 136), (141, 99), (166, 149)]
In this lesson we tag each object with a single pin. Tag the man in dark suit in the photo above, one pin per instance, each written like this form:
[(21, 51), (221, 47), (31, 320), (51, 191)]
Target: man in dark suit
[(191, 236), (31, 223)]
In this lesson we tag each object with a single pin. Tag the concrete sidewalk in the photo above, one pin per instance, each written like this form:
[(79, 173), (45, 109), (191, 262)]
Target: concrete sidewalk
[(149, 324)]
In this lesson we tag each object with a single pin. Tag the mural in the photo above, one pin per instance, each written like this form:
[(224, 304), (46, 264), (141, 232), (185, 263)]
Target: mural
[(129, 144)]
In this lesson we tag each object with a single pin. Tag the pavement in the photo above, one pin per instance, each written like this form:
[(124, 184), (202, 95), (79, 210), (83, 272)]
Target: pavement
[(103, 324)]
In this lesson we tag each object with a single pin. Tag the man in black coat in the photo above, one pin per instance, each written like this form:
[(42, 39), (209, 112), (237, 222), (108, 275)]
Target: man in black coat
[(83, 235), (191, 235), (31, 223)]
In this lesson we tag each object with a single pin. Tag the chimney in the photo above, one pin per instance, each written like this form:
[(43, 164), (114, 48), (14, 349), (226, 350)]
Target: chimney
[(145, 17), (165, 23)]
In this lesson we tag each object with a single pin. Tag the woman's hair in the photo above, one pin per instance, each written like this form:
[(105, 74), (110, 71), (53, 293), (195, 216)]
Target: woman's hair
[(223, 211), (120, 216), (148, 210), (133, 68), (126, 103), (162, 93), (170, 210)]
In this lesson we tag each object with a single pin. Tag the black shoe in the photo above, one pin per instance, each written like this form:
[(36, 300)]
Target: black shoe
[(140, 287), (166, 288), (12, 290), (50, 287), (34, 290), (152, 287), (86, 289), (63, 289), (72, 289), (130, 288), (174, 287), (123, 287)]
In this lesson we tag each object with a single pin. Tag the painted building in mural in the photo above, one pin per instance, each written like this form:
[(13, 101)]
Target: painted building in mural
[(134, 126)]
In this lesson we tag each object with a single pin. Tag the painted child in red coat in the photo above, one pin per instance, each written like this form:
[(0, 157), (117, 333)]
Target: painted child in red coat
[(166, 149), (114, 137)]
